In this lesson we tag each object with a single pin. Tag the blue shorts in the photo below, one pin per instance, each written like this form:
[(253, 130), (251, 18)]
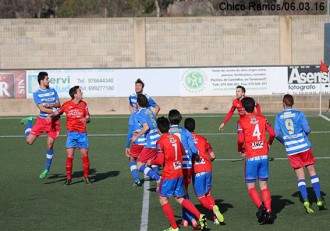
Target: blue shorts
[(171, 187), (77, 140), (256, 168), (202, 183)]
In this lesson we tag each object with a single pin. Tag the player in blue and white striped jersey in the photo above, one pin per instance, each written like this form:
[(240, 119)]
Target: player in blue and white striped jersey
[(133, 153), (149, 128), (139, 85), (47, 100), (292, 129)]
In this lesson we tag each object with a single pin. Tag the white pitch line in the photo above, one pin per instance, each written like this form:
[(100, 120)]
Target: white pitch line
[(145, 206), (324, 117), (124, 135), (273, 158), (212, 115)]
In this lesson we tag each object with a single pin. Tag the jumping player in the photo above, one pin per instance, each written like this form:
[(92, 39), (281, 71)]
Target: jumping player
[(237, 104)]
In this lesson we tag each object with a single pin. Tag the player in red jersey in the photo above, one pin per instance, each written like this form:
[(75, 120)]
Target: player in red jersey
[(169, 155), (237, 104), (77, 115), (202, 172), (252, 143)]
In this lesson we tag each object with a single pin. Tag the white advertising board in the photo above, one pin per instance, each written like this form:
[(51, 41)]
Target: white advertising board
[(210, 81)]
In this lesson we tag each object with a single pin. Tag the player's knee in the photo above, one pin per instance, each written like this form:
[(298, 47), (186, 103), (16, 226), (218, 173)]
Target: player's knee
[(29, 142)]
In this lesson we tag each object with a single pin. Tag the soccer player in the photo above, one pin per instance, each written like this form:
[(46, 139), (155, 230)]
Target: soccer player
[(77, 115), (202, 172), (170, 151), (252, 143), (187, 141), (292, 129), (134, 152), (47, 100), (149, 129), (237, 104), (139, 85)]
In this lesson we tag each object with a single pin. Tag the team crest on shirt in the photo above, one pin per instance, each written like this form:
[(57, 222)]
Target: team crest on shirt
[(253, 120)]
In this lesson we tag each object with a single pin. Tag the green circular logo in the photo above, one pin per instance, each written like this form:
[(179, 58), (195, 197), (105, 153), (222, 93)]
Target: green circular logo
[(194, 80)]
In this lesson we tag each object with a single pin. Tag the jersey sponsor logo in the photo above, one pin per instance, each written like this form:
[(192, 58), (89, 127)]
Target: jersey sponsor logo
[(177, 165), (194, 80), (287, 115), (257, 145), (200, 161)]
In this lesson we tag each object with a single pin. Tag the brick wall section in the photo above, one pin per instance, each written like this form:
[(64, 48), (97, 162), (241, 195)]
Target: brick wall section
[(161, 42)]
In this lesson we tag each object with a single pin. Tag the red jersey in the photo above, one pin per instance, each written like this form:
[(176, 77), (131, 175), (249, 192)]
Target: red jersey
[(251, 130), (237, 104), (204, 148), (74, 115), (169, 154)]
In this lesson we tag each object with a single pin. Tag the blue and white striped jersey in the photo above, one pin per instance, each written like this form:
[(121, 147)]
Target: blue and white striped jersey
[(188, 143), (292, 126), (132, 101), (145, 115), (45, 96), (135, 127)]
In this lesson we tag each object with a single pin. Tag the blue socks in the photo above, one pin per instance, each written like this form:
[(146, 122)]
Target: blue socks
[(303, 189), (316, 185), (186, 215), (134, 171), (28, 127), (49, 158), (155, 168), (148, 172)]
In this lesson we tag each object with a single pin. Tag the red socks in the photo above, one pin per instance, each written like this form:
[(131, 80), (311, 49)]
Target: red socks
[(191, 208), (169, 213), (206, 203), (85, 165), (266, 197), (253, 193), (68, 167)]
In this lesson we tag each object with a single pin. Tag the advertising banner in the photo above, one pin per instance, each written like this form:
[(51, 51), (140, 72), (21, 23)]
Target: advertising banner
[(307, 80), (93, 82), (210, 81), (223, 81), (12, 84)]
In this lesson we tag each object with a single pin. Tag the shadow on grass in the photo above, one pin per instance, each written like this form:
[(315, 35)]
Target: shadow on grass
[(278, 204), (311, 195), (93, 175)]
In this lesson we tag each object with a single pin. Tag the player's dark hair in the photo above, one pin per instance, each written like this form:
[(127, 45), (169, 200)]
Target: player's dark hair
[(288, 100), (241, 87), (72, 91), (163, 124), (174, 116), (140, 81), (189, 124), (41, 76), (248, 104), (142, 100)]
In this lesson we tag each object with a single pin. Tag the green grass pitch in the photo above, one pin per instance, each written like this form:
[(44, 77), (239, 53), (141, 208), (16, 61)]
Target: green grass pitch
[(111, 203)]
